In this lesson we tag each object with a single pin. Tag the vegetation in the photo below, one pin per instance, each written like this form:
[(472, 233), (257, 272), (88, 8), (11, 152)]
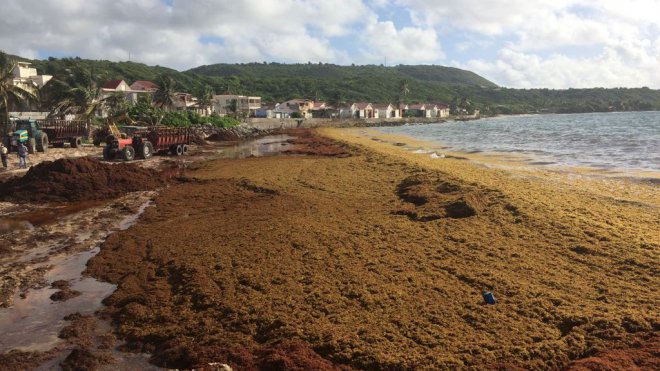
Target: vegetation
[(463, 90), (12, 95)]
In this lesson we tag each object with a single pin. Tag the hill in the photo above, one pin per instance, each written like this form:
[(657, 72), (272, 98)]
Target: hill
[(276, 82)]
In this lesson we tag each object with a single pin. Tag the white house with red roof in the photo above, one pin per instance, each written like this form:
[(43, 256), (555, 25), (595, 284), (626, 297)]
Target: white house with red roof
[(144, 85), (385, 111)]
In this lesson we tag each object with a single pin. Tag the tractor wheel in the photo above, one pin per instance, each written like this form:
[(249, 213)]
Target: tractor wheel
[(184, 149), (31, 145), (129, 153), (146, 150), (108, 154), (97, 143), (76, 142), (42, 146), (179, 150)]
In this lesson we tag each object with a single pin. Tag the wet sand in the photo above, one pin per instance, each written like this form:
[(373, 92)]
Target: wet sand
[(368, 255)]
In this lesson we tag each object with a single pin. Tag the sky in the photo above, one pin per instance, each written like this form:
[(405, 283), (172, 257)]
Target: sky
[(516, 43)]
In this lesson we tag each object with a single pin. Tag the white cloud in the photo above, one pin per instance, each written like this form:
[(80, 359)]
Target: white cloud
[(409, 45), (153, 33), (609, 69)]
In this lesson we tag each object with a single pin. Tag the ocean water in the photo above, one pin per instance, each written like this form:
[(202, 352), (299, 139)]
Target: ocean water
[(626, 140)]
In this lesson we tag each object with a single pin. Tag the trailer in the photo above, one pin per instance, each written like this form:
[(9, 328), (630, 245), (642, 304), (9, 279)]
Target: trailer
[(144, 144), (168, 139), (64, 131)]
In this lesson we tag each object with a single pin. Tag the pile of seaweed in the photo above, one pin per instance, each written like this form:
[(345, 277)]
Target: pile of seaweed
[(79, 179)]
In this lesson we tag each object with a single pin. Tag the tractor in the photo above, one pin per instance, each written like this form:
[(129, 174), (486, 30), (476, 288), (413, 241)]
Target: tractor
[(117, 146)]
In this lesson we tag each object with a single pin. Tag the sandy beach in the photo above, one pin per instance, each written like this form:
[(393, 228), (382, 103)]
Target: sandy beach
[(354, 251)]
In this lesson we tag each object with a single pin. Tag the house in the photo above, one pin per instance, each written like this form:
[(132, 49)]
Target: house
[(266, 111), (362, 110), (144, 85), (323, 111), (443, 110), (282, 111), (417, 110), (224, 104), (303, 106), (385, 111), (24, 74)]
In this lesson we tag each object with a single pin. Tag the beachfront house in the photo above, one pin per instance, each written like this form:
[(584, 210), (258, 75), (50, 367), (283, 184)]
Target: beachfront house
[(302, 106), (282, 111), (266, 111), (442, 110), (385, 111), (144, 86), (417, 110), (231, 103), (362, 110), (323, 111)]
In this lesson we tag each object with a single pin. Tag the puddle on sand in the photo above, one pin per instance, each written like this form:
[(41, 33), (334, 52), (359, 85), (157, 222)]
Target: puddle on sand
[(33, 323), (269, 145)]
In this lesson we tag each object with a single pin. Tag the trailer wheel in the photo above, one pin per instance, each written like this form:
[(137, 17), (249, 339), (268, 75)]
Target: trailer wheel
[(42, 146), (179, 150), (184, 149), (146, 150), (32, 145), (76, 142), (129, 153)]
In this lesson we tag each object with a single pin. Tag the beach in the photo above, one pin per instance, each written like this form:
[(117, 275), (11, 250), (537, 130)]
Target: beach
[(354, 251)]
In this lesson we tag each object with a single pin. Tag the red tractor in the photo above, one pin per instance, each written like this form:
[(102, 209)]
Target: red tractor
[(126, 148)]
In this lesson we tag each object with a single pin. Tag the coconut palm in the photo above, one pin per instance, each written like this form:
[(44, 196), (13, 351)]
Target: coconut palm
[(205, 98), (81, 100), (116, 103), (165, 95), (10, 93)]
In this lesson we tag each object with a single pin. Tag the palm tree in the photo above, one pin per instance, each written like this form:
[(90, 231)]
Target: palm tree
[(82, 100), (205, 98), (10, 93), (116, 103), (165, 95), (403, 92)]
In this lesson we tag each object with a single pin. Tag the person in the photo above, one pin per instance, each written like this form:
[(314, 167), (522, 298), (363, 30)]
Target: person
[(22, 155), (3, 154)]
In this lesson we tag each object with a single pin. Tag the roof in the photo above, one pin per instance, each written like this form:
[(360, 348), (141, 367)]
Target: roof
[(417, 106), (362, 105), (112, 84), (144, 85), (382, 106)]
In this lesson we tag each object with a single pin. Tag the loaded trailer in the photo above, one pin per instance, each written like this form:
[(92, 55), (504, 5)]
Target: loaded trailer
[(143, 144), (38, 134)]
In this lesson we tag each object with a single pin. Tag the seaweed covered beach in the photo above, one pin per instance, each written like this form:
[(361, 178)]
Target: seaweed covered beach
[(351, 251)]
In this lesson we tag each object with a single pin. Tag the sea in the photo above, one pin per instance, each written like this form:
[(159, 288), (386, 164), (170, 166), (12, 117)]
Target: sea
[(618, 140)]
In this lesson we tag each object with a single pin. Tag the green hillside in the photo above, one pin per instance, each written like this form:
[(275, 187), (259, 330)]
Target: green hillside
[(276, 82)]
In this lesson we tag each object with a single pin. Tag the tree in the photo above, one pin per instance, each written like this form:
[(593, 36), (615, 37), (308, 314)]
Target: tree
[(165, 95), (82, 97), (10, 93), (205, 97), (116, 103)]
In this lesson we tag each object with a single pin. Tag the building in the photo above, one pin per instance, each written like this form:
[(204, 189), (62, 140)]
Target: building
[(385, 111), (302, 106), (144, 85), (224, 104), (25, 75), (443, 110), (362, 110)]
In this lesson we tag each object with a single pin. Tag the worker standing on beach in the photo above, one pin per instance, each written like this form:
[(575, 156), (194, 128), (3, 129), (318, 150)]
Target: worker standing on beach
[(3, 154), (22, 156)]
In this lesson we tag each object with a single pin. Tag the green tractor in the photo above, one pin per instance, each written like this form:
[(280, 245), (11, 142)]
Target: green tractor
[(29, 133)]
